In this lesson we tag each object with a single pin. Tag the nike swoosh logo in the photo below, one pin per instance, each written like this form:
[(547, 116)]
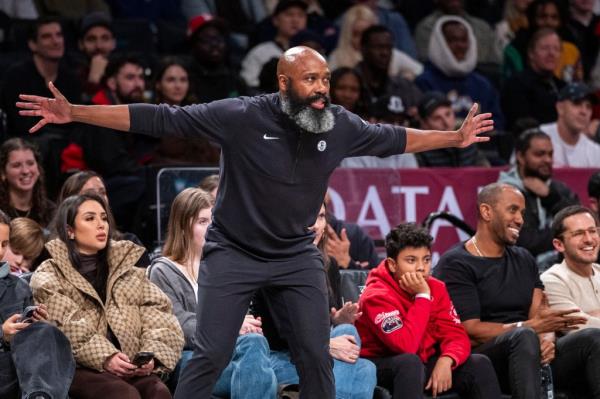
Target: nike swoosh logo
[(270, 137)]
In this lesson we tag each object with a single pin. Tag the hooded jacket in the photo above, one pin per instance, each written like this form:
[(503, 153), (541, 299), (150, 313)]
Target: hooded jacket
[(394, 322), (137, 311)]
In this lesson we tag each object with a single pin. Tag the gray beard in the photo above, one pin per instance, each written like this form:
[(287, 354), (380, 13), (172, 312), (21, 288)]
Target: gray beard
[(307, 118)]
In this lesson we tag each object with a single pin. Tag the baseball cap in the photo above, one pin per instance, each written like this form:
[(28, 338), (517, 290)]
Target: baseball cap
[(203, 21), (388, 106), (93, 19), (285, 4), (431, 101), (576, 91)]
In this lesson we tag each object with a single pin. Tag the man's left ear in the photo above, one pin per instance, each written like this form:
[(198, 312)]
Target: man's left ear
[(390, 264), (558, 245), (282, 82)]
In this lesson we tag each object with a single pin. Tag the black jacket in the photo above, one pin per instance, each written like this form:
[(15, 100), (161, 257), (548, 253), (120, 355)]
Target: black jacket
[(273, 174)]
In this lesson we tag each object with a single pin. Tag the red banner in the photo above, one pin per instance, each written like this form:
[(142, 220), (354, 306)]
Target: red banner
[(379, 199)]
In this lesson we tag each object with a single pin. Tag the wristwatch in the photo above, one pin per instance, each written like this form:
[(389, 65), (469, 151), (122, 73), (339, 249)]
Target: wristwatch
[(519, 324)]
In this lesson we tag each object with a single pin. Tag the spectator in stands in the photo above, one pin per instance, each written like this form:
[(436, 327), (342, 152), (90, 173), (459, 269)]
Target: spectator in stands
[(249, 374), (451, 70), (410, 329), (115, 157), (89, 181), (396, 23), (22, 192), (533, 92), (25, 244), (210, 184), (19, 9), (544, 196), (354, 377), (481, 29), (573, 284), (71, 10), (593, 190), (387, 109), (172, 86), (498, 295), (513, 21), (347, 90), (96, 42), (213, 76), (435, 112), (107, 308), (289, 17), (36, 357), (47, 46), (348, 244), (544, 14), (376, 47), (572, 146), (582, 27), (316, 21), (348, 51)]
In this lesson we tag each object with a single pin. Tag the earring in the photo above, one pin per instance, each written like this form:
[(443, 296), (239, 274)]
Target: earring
[(71, 236)]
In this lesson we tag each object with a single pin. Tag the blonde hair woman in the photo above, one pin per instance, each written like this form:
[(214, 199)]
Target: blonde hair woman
[(347, 54), (249, 374)]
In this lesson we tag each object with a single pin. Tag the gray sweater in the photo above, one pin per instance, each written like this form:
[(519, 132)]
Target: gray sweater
[(167, 276)]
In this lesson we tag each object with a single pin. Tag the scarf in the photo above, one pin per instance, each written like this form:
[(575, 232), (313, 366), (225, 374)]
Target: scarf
[(440, 54)]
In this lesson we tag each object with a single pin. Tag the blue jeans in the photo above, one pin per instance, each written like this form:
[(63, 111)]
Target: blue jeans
[(248, 374), (352, 381)]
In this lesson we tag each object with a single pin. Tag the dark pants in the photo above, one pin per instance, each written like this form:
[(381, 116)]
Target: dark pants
[(297, 297), (516, 357), (91, 384), (576, 368), (406, 376), (40, 361)]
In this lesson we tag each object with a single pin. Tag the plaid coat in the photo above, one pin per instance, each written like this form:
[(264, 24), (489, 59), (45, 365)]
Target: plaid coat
[(138, 312)]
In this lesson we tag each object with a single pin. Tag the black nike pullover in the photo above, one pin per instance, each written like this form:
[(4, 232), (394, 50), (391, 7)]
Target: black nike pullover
[(274, 175)]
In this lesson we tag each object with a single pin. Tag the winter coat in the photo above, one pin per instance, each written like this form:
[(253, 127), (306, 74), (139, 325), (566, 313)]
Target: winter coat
[(394, 322), (138, 313)]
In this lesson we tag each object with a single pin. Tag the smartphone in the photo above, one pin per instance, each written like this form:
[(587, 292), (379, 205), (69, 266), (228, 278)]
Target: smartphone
[(142, 358), (27, 315)]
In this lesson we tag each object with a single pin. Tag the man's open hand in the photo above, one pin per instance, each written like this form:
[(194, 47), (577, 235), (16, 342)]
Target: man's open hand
[(473, 126), (51, 110)]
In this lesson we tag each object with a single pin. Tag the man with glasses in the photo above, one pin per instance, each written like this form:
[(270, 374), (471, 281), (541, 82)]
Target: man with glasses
[(575, 283)]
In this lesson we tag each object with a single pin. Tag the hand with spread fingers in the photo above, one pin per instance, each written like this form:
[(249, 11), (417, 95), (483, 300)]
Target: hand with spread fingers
[(473, 126), (51, 110)]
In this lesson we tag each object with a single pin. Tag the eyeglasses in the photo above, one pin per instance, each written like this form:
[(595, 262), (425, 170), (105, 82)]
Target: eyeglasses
[(579, 234)]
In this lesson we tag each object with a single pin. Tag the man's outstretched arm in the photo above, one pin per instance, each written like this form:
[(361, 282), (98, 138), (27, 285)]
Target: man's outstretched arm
[(59, 110), (472, 127)]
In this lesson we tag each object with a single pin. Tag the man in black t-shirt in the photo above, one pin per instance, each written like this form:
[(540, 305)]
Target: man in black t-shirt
[(497, 292)]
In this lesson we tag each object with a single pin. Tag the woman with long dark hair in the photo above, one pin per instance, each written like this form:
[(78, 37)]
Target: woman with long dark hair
[(22, 190), (121, 328), (88, 181)]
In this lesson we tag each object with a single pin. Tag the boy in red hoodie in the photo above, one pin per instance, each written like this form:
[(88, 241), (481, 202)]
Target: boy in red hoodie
[(410, 330)]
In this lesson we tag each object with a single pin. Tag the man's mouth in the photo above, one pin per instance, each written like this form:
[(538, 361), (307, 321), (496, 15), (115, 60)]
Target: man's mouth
[(514, 231)]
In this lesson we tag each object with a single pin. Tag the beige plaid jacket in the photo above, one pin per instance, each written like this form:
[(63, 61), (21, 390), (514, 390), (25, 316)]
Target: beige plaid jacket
[(138, 312)]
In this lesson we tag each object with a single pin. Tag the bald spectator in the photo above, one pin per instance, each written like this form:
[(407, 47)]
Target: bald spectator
[(47, 46), (572, 147), (289, 17), (96, 42), (482, 30)]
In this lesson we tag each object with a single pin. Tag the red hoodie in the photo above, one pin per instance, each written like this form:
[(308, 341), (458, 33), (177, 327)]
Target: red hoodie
[(394, 322)]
